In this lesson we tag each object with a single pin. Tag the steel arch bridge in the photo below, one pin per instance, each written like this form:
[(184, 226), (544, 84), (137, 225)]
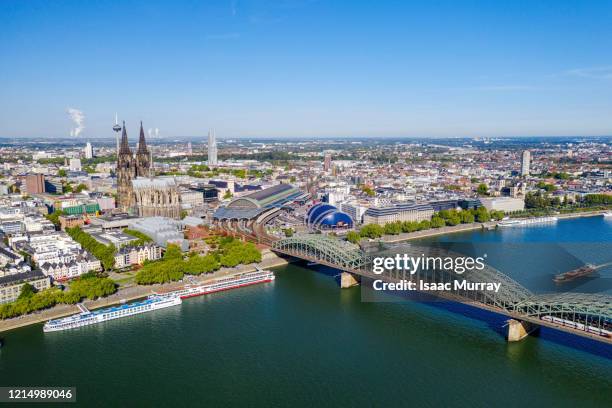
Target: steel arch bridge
[(512, 299), (324, 250)]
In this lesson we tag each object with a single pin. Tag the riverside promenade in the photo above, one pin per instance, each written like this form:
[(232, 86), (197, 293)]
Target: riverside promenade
[(130, 292), (408, 236)]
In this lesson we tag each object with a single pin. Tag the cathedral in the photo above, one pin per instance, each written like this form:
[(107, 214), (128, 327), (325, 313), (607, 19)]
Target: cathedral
[(138, 191), (129, 167)]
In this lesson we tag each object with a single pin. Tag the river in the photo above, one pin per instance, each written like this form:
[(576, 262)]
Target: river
[(301, 341)]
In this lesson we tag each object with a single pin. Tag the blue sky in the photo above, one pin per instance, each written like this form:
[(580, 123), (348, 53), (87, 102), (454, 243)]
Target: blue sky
[(307, 68)]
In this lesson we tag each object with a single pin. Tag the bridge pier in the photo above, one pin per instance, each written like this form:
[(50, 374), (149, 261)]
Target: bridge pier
[(518, 330), (348, 280)]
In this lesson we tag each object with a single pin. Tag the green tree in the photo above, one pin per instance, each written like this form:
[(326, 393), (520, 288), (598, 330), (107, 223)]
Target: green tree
[(482, 215), (451, 217), (173, 251), (227, 195), (497, 214), (410, 226), (393, 228), (54, 217), (91, 286), (27, 291), (482, 189), (597, 199), (368, 191), (353, 237), (80, 188), (372, 231), (565, 200), (105, 253), (197, 265), (424, 225), (437, 222), (467, 217), (61, 173)]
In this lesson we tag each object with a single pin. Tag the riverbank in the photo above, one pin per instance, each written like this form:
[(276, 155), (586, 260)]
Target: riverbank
[(130, 292), (581, 214), (408, 236)]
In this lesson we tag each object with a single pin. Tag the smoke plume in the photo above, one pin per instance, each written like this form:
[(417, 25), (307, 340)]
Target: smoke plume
[(78, 118)]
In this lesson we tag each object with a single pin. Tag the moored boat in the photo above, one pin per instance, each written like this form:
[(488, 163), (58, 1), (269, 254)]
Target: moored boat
[(86, 318), (219, 284), (527, 221)]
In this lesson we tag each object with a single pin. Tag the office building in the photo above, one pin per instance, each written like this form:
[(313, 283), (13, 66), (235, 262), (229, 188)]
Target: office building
[(398, 212), (75, 165), (54, 186), (88, 151), (505, 204), (327, 162), (35, 183), (212, 148), (525, 163)]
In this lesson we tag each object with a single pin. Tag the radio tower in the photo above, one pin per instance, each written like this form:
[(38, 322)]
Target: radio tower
[(117, 129)]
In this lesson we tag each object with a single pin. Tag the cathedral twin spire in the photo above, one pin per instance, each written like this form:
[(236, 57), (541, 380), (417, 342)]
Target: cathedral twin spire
[(131, 166), (125, 147), (142, 144), (142, 157)]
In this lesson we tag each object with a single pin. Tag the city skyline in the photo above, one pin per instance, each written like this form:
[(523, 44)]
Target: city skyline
[(307, 69), (245, 200)]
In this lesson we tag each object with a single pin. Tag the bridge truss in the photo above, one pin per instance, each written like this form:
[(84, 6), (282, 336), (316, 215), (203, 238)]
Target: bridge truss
[(512, 298)]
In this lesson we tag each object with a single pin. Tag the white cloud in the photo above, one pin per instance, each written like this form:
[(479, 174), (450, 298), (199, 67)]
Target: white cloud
[(595, 72)]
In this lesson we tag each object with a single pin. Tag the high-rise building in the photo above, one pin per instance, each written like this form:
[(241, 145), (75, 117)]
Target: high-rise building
[(525, 163), (327, 162), (189, 149), (88, 151), (212, 148), (130, 167), (35, 183)]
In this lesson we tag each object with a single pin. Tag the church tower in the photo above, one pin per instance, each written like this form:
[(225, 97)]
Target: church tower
[(143, 157), (126, 172)]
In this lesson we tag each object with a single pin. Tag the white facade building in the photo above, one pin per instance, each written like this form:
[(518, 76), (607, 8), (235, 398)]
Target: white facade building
[(525, 163), (128, 255), (505, 204), (75, 165), (88, 151), (212, 148)]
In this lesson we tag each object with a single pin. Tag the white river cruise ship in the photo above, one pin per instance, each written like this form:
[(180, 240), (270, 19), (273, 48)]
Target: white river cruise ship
[(225, 283), (86, 318)]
